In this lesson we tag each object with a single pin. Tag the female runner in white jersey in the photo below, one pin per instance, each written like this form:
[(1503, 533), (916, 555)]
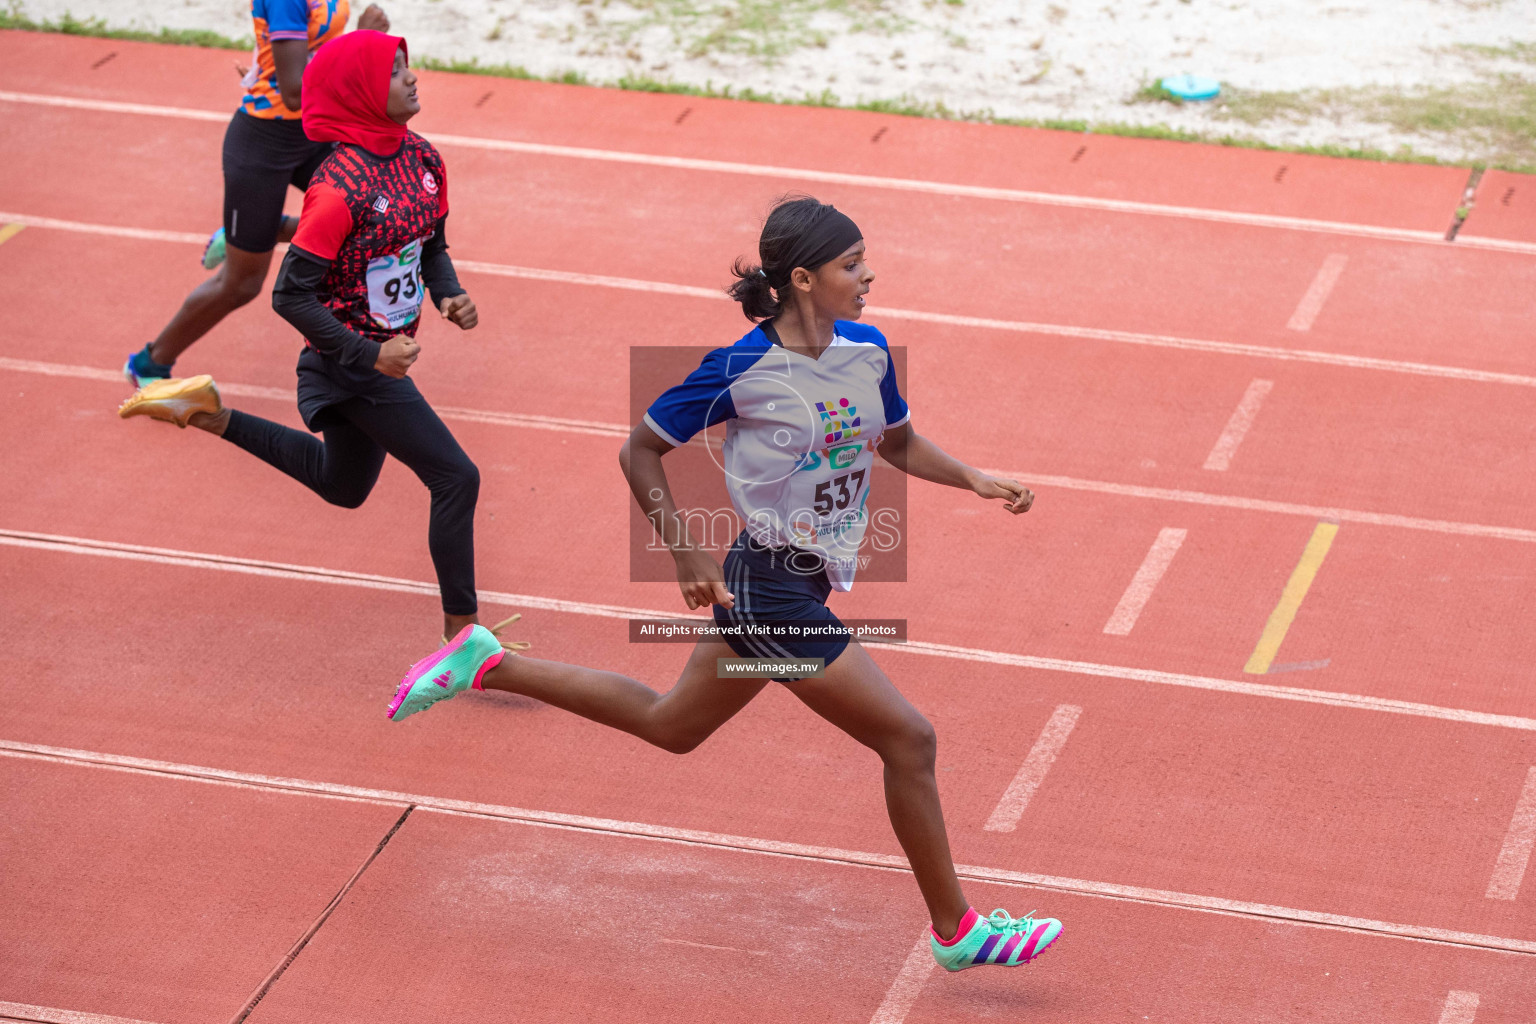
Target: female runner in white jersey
[(800, 486)]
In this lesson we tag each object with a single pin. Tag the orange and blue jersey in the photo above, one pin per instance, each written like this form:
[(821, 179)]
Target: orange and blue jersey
[(314, 21)]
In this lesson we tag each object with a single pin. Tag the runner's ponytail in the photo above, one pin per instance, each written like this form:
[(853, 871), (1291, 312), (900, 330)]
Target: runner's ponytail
[(753, 291)]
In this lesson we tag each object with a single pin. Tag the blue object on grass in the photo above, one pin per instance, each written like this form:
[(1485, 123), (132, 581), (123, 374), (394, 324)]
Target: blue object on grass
[(1192, 87)]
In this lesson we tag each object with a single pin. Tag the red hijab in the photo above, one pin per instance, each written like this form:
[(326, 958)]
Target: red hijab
[(346, 92)]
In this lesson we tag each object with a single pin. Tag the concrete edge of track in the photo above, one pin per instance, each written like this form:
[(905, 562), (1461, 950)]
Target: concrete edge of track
[(772, 848)]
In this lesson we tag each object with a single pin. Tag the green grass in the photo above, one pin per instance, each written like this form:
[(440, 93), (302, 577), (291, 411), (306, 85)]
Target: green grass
[(474, 67), (762, 29), (1153, 92), (1493, 117), (1524, 52), (1498, 113)]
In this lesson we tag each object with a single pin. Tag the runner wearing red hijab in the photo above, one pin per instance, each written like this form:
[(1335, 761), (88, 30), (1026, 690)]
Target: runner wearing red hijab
[(370, 243), (265, 152)]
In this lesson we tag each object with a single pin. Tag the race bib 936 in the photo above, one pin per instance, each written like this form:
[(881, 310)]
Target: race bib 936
[(395, 288)]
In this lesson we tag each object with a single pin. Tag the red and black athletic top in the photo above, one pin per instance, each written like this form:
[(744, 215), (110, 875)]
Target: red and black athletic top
[(370, 241)]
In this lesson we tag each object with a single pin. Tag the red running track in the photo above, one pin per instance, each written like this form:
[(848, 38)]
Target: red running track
[(1292, 846)]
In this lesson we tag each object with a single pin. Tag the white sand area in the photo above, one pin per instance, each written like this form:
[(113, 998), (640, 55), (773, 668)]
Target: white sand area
[(1063, 60)]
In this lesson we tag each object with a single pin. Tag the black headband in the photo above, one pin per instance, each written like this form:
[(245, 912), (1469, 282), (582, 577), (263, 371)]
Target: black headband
[(832, 234)]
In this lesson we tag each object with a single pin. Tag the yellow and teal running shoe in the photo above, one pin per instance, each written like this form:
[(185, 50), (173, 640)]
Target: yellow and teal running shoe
[(213, 252), (456, 667), (996, 939)]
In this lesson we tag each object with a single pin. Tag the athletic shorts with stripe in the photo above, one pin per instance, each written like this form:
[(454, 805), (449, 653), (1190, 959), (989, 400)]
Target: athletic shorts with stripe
[(779, 587), (261, 160)]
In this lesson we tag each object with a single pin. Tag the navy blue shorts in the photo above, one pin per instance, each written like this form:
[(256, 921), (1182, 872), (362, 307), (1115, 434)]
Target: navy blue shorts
[(786, 591)]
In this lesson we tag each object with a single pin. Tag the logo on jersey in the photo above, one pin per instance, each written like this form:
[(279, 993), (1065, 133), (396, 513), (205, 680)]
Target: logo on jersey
[(428, 182), (381, 203), (842, 458), (839, 420)]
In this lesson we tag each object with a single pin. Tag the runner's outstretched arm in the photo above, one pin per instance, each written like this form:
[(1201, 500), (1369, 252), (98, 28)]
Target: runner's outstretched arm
[(915, 455)]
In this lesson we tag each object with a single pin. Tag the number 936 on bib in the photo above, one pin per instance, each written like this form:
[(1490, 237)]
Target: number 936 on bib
[(394, 287)]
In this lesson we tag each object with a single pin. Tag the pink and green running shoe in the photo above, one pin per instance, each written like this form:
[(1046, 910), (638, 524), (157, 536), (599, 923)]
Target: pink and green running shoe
[(458, 666), (996, 939)]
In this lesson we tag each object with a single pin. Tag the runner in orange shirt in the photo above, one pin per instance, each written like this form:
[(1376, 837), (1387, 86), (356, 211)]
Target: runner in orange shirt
[(265, 151)]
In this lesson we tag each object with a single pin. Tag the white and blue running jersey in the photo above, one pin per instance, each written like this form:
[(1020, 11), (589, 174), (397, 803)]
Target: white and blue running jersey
[(800, 435)]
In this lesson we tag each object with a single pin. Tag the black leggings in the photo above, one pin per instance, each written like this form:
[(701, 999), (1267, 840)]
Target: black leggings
[(344, 468)]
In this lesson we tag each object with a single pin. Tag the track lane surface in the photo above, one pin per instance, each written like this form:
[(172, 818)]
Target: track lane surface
[(1308, 824), (132, 898), (1373, 614), (1451, 450), (1396, 195), (940, 254), (1505, 208), (455, 883), (1427, 1000), (447, 878)]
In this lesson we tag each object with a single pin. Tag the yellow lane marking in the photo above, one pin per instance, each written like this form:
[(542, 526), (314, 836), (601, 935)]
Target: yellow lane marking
[(1290, 599), (9, 231)]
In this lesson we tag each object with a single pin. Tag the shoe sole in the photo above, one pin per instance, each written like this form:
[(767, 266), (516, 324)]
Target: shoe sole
[(1017, 963), (1041, 951), (417, 671)]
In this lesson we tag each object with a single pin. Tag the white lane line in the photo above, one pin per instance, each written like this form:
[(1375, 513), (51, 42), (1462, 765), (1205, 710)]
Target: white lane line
[(1139, 592), (1223, 347), (1460, 1008), (1342, 515), (1005, 816), (708, 945), (52, 1015), (795, 851), (946, 319), (1515, 854), (759, 170), (140, 769), (1140, 675), (873, 181), (116, 107), (450, 412), (627, 284), (1322, 286), (314, 574), (1237, 427), (907, 986), (311, 574), (620, 430), (111, 230)]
